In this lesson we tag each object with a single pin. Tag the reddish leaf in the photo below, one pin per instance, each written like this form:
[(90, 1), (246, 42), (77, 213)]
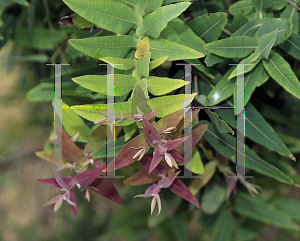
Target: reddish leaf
[(124, 158), (70, 151), (160, 170), (105, 188), (197, 134), (141, 177), (60, 181), (167, 181), (87, 177), (177, 157), (73, 208), (181, 190), (52, 182), (98, 164), (170, 145), (170, 120), (150, 132), (152, 114), (231, 186), (155, 160)]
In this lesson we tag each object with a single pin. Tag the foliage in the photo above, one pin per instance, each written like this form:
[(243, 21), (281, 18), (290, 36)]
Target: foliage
[(143, 38)]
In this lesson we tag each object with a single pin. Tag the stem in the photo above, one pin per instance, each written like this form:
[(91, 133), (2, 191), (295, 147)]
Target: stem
[(294, 4), (226, 31)]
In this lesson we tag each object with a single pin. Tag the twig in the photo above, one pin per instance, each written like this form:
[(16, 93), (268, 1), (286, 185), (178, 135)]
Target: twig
[(226, 31), (61, 54), (294, 4)]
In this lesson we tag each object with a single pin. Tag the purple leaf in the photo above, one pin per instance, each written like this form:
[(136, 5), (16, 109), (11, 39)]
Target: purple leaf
[(105, 188), (124, 158), (60, 181), (177, 157), (160, 170), (152, 114), (153, 189), (52, 181), (151, 134), (155, 160), (181, 190), (87, 177), (73, 200), (167, 181), (141, 177), (170, 145)]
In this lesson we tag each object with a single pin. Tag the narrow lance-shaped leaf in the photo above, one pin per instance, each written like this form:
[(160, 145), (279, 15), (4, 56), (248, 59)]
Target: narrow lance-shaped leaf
[(178, 31), (143, 7), (225, 144), (262, 211), (123, 64), (87, 177), (105, 15), (257, 129), (291, 12), (181, 190), (280, 70), (238, 21), (99, 47), (247, 6), (292, 46), (265, 44), (233, 47), (284, 27), (141, 177), (156, 21), (249, 28), (98, 83), (209, 27), (162, 47), (162, 86)]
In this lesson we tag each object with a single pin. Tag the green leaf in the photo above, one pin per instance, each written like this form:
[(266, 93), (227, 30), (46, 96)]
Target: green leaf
[(166, 2), (40, 38), (99, 47), (195, 165), (291, 207), (252, 80), (143, 7), (139, 100), (284, 27), (81, 22), (209, 28), (198, 183), (291, 12), (265, 45), (179, 32), (161, 48), (292, 142), (212, 59), (169, 104), (280, 70), (123, 83), (157, 62), (224, 226), (213, 196), (225, 144), (247, 6), (221, 91), (102, 151), (73, 123), (105, 14), (156, 21), (238, 21), (41, 92), (142, 67), (292, 46), (233, 47), (198, 65), (251, 61), (123, 64), (221, 125), (249, 28), (91, 113), (279, 4), (21, 2), (262, 211), (257, 129), (261, 5), (162, 86), (129, 131), (249, 230)]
